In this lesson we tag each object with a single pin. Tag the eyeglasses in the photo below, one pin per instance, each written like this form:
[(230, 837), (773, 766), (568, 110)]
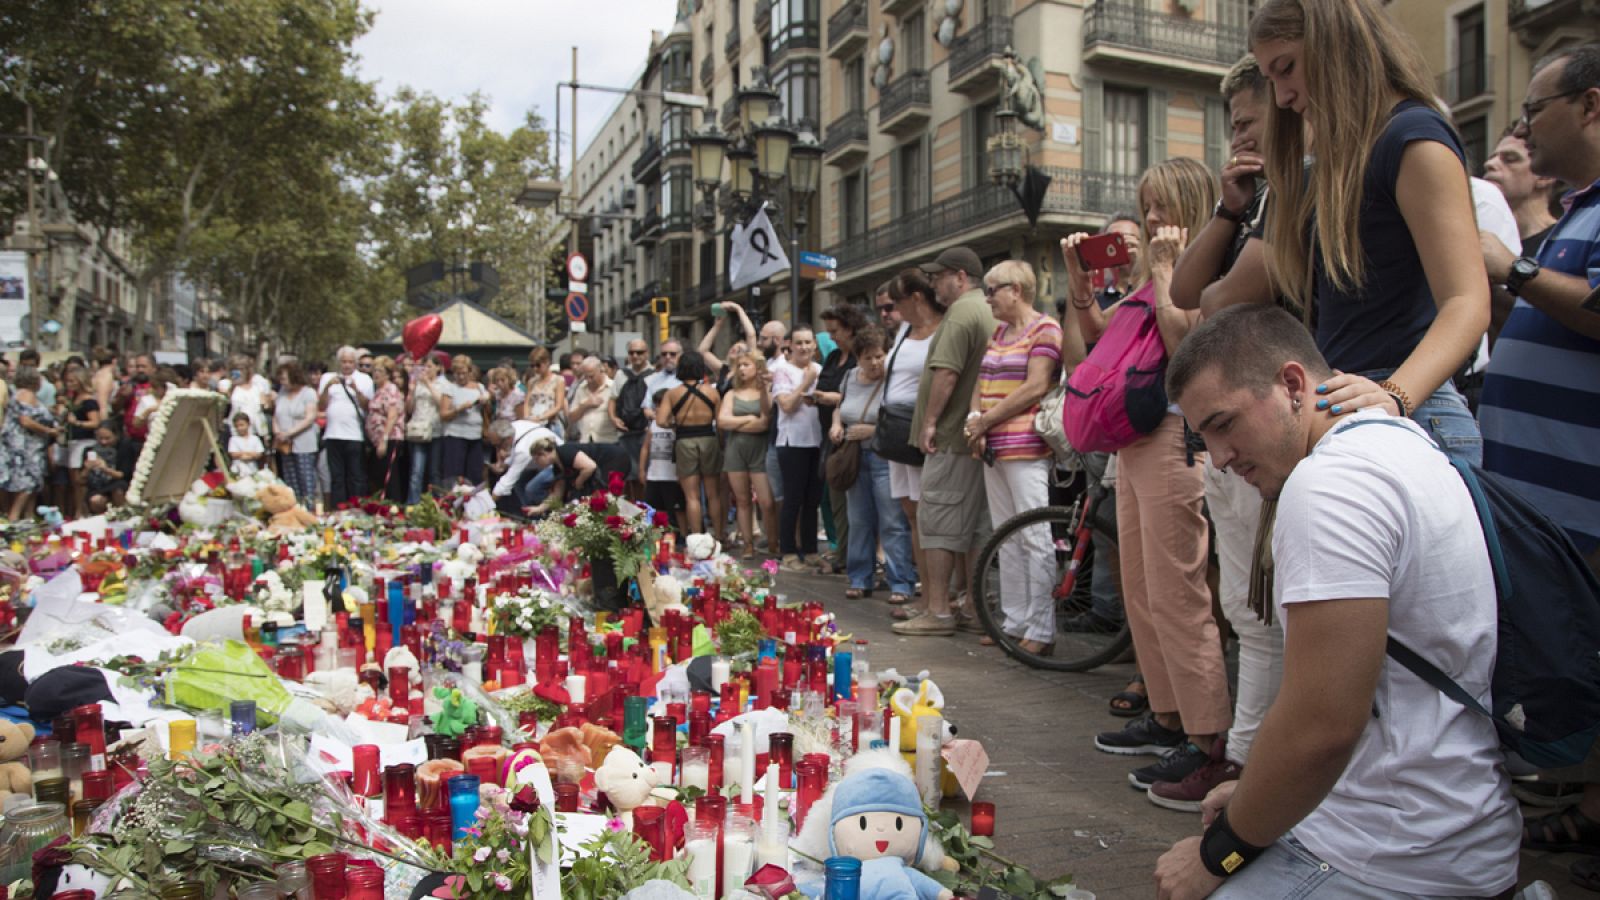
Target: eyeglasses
[(638, 352), (1532, 108), (670, 352), (886, 308), (989, 290)]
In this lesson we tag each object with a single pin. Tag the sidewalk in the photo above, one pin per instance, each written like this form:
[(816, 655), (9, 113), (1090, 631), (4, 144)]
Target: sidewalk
[(1061, 805)]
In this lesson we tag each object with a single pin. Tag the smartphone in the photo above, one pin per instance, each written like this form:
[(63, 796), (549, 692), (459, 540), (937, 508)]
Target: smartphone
[(1104, 251), (987, 456)]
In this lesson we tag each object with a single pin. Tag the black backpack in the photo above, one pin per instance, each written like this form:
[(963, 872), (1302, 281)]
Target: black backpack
[(1546, 683), (630, 403)]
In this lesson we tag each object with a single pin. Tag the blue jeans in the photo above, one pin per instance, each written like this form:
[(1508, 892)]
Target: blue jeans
[(877, 517), (1288, 869), (1446, 419), (424, 469)]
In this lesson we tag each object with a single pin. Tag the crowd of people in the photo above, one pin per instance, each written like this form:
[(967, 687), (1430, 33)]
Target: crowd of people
[(1342, 266)]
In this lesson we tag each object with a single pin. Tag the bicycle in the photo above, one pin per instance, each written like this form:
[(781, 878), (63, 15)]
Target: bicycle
[(1072, 529)]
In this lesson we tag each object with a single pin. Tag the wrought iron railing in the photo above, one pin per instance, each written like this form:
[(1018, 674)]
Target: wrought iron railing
[(987, 39), (730, 45), (730, 112), (852, 126), (908, 90), (649, 157), (1071, 191), (1131, 23), (850, 19), (1468, 80)]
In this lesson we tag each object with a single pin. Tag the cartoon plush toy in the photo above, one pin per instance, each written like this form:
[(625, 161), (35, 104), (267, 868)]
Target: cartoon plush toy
[(626, 780), (875, 815), (284, 513), (455, 712), (911, 706), (15, 777)]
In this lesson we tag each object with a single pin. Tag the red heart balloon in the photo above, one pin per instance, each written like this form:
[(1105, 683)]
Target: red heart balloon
[(421, 334)]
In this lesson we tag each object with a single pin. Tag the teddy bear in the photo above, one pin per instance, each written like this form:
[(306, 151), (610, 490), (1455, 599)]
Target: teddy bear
[(626, 780), (284, 512), (15, 777)]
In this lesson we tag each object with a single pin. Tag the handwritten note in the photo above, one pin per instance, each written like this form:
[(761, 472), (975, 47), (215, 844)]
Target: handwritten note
[(968, 761)]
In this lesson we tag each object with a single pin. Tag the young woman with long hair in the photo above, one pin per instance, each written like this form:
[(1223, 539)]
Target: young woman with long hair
[(83, 416), (745, 418), (1161, 525), (294, 432), (690, 410), (1393, 264)]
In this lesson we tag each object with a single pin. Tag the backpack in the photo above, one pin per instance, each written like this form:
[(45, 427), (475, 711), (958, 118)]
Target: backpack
[(630, 402), (1546, 682), (1118, 394)]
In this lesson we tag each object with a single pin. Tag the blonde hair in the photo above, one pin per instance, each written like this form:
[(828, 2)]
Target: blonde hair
[(1016, 272), (1356, 60), (753, 357), (1185, 189)]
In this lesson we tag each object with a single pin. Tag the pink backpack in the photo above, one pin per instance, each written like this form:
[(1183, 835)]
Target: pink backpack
[(1119, 393)]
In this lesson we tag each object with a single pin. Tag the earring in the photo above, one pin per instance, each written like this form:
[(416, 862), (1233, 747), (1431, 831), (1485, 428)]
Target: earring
[(1296, 402)]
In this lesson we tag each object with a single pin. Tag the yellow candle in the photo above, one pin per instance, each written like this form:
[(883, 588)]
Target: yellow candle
[(180, 738)]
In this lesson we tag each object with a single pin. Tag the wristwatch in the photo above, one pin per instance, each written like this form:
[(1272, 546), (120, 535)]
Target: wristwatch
[(1223, 212), (1523, 269)]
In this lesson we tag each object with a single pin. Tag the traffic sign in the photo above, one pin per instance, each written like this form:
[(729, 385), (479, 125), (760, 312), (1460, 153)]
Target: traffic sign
[(577, 267), (818, 260), (817, 273), (577, 307), (577, 287)]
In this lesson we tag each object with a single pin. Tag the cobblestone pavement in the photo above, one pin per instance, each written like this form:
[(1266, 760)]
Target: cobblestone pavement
[(1061, 806)]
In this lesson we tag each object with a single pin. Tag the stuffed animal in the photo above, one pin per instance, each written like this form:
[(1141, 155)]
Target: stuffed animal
[(15, 777), (875, 815), (284, 512), (455, 712), (911, 706), (626, 780)]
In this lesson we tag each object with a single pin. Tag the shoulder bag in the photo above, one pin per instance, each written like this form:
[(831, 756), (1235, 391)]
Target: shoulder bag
[(893, 439), (843, 465)]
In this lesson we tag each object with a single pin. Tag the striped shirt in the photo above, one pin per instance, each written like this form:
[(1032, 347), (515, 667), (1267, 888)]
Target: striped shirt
[(1541, 393), (1004, 369)]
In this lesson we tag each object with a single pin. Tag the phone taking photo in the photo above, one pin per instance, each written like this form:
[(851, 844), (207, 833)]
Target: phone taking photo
[(1104, 251)]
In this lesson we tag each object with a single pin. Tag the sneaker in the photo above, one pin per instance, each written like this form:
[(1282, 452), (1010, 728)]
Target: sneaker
[(1090, 623), (1140, 737), (1176, 765), (1186, 795), (969, 623), (793, 563), (927, 625)]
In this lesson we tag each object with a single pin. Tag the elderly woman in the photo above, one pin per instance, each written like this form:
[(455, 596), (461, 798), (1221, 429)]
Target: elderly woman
[(1022, 363), (508, 395), (546, 392), (386, 420), (294, 426), (25, 435), (875, 517), (842, 323), (344, 396)]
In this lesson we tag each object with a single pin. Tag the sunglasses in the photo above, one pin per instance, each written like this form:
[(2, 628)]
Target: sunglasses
[(886, 308), (989, 290), (637, 352)]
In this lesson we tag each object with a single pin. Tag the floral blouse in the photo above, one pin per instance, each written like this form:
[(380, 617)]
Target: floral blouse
[(387, 400)]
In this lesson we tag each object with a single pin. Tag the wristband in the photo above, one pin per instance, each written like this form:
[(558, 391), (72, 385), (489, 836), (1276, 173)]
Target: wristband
[(1402, 400), (1222, 852), (1223, 212)]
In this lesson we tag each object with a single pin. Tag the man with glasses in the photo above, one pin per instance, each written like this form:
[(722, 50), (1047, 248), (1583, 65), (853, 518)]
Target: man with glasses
[(629, 395), (364, 361), (666, 376), (886, 312), (1541, 394)]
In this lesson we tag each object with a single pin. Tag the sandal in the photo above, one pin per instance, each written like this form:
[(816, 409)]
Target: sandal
[(986, 641), (1567, 831), (1130, 703), (898, 599), (904, 613), (1038, 649), (856, 593)]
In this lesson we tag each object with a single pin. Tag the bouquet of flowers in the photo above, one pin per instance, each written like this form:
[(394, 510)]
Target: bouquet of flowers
[(604, 525), (527, 612)]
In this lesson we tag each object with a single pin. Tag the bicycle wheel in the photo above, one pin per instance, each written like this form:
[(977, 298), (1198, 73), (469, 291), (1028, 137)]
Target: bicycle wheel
[(1075, 651)]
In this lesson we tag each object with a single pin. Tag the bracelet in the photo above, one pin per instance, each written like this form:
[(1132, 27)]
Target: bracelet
[(1222, 852), (1077, 305), (1401, 398)]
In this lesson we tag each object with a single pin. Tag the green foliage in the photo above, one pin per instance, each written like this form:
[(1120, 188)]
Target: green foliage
[(740, 633), (614, 863), (980, 865)]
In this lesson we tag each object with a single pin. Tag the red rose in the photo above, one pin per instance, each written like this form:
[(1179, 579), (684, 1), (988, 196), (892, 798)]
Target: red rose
[(525, 800), (627, 534), (598, 502), (613, 521), (617, 484), (661, 519), (570, 520)]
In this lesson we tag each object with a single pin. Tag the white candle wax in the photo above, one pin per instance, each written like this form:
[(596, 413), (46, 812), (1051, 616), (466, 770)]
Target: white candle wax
[(747, 765), (663, 772), (473, 669), (703, 867), (772, 851), (738, 852), (894, 734), (697, 775), (771, 814), (720, 672), (575, 687)]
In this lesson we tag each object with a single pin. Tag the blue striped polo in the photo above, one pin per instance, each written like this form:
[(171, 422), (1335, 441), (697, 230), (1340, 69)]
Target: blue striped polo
[(1540, 412)]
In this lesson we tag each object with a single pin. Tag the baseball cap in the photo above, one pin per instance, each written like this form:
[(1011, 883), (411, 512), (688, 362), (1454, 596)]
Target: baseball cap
[(959, 259)]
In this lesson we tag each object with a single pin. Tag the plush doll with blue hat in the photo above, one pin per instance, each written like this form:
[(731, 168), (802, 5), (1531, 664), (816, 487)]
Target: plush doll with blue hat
[(875, 815)]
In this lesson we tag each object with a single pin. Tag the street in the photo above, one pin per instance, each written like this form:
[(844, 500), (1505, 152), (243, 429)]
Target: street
[(1061, 805)]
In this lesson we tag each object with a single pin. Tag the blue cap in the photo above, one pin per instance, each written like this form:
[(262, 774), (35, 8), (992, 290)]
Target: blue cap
[(877, 790)]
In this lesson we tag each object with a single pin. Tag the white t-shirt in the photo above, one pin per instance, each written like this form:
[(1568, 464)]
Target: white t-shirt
[(524, 434), (1425, 805), (246, 444), (1495, 217), (468, 421), (661, 466), (803, 427), (344, 417), (659, 381), (909, 359), (247, 398)]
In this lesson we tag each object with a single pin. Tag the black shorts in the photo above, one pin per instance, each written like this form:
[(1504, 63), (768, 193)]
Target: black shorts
[(666, 496)]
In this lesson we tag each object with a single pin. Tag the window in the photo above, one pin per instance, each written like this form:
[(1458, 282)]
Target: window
[(910, 177), (853, 205), (1475, 140), (991, 9), (677, 194), (980, 127), (799, 88), (1125, 131), (674, 127), (913, 43), (855, 84), (1472, 70), (795, 23)]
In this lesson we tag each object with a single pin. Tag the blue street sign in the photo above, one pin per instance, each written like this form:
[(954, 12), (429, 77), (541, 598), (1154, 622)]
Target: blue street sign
[(820, 260)]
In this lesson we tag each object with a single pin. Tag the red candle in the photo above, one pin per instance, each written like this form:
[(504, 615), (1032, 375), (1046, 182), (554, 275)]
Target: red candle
[(717, 744), (982, 820)]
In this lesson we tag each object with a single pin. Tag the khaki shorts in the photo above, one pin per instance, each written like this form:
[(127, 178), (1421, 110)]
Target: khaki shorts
[(745, 452), (698, 456), (954, 504)]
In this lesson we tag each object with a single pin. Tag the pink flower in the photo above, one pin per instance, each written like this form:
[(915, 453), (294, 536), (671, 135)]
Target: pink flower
[(481, 855), (771, 566), (501, 882), (615, 825)]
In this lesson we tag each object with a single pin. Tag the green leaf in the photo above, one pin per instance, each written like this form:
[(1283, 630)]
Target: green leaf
[(175, 847), (984, 842)]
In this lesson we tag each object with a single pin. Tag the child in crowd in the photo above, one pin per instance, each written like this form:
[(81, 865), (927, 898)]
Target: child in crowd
[(106, 471), (244, 447), (661, 489)]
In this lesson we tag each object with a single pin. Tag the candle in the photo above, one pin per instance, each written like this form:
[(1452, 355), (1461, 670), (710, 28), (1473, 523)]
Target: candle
[(575, 687), (930, 733), (738, 851), (842, 668), (771, 814), (697, 768), (720, 672), (983, 820), (700, 843), (772, 847), (747, 765)]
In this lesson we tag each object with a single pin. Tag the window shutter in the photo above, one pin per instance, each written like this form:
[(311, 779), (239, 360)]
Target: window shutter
[(925, 190), (1156, 128), (1094, 118), (896, 191), (970, 151), (1216, 133)]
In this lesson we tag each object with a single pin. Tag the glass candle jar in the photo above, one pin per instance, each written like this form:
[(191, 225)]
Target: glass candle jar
[(842, 878), (28, 828), (91, 732), (186, 890), (649, 825), (364, 883), (260, 890), (463, 805), (982, 819), (700, 844), (780, 752), (294, 881), (74, 762), (180, 738), (45, 758), (566, 797), (327, 876), (242, 716), (738, 850)]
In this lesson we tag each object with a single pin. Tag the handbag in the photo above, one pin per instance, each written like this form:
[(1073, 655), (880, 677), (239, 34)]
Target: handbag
[(892, 441), (843, 465)]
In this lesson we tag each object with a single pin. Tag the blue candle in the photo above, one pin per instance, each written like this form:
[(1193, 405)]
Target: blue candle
[(841, 674), (843, 878), (397, 606), (243, 715), (463, 805)]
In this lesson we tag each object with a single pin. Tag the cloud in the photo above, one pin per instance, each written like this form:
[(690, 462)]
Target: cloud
[(514, 52)]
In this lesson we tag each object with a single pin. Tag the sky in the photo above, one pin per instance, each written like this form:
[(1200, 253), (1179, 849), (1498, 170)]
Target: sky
[(513, 51)]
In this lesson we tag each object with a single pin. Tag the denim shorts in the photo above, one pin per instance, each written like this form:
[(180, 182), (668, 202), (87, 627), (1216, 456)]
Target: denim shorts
[(1288, 870), (1446, 418)]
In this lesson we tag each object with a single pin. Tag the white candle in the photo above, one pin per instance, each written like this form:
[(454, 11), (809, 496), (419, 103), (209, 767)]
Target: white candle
[(575, 687), (894, 734), (747, 765), (720, 672), (473, 669), (773, 850), (738, 852), (697, 774), (663, 772), (771, 814), (703, 867)]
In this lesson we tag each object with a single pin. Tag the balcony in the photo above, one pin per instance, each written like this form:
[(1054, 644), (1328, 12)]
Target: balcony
[(647, 230), (1467, 82), (900, 7), (648, 166), (730, 112), (1072, 192), (845, 143), (708, 72), (677, 224), (730, 46), (1128, 33), (762, 16), (847, 30), (974, 53), (1534, 20), (904, 105)]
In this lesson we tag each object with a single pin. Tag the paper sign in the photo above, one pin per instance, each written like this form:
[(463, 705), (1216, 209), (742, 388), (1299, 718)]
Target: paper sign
[(328, 754), (316, 605), (967, 761), (1063, 133)]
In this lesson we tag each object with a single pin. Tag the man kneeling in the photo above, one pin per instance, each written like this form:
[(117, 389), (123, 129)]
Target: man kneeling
[(1364, 781)]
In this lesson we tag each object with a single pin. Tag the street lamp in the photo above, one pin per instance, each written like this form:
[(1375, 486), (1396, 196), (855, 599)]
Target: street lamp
[(756, 105), (805, 169), (708, 149), (773, 141), (1006, 150)]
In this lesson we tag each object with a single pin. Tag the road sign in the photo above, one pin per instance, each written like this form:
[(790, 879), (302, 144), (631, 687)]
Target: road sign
[(577, 267), (577, 307), (817, 273), (818, 260), (577, 327), (577, 287)]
